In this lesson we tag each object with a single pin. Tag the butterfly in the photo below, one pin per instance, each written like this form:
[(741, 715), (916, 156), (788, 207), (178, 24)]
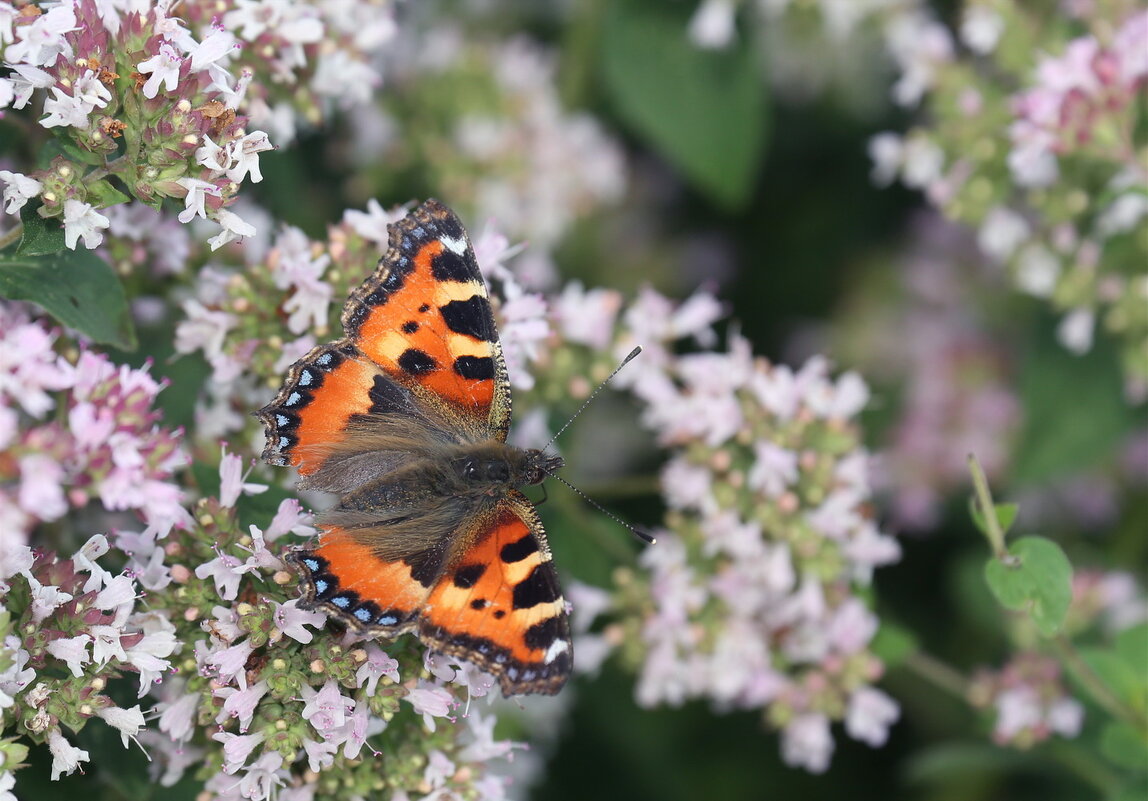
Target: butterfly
[(405, 418)]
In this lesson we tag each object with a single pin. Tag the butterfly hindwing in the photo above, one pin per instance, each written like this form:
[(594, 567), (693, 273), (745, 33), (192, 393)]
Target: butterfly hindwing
[(346, 578), (496, 603), (500, 605)]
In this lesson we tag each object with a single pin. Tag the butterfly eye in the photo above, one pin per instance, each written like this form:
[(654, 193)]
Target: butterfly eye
[(468, 469)]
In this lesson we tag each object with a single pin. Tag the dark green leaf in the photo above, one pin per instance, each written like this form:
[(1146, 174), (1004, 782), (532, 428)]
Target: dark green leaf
[(1125, 680), (1132, 645), (893, 644), (102, 194), (1070, 432), (704, 110), (77, 288), (1037, 577), (41, 236), (1005, 512), (1006, 515), (1123, 745)]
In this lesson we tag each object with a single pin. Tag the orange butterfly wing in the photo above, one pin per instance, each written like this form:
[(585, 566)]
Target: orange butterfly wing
[(497, 604), (501, 607), (419, 331)]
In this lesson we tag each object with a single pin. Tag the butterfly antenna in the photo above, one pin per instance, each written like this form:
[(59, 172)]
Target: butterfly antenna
[(586, 403), (637, 532)]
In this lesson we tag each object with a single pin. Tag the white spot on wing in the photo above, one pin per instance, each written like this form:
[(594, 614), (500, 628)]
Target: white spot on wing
[(556, 648), (454, 245)]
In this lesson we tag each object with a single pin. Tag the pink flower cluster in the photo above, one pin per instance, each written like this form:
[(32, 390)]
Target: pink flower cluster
[(1029, 701), (77, 629), (106, 444), (748, 596), (1079, 101), (139, 74)]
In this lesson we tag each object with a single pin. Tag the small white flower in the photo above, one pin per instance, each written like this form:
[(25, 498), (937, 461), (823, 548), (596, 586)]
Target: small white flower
[(91, 91), (1076, 329), (712, 25), (127, 721), (42, 41), (73, 651), (924, 160), (869, 716), (232, 482), (194, 203), (807, 743), (234, 227), (163, 68), (65, 756), (981, 29), (213, 49), (1124, 213), (18, 190), (887, 151), (1001, 233), (213, 156), (1065, 717), (81, 220), (63, 110), (245, 156), (372, 224), (1037, 271)]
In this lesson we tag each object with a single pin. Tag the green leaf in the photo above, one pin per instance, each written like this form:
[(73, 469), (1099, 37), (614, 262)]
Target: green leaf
[(703, 110), (1124, 746), (1070, 432), (1005, 512), (41, 236), (1036, 577), (1132, 645), (893, 644), (1131, 792), (1125, 679), (102, 194), (77, 288)]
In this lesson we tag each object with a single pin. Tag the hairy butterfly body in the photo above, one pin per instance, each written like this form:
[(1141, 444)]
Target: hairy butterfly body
[(406, 418)]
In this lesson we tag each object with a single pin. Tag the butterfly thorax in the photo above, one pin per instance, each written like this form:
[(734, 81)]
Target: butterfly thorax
[(463, 475)]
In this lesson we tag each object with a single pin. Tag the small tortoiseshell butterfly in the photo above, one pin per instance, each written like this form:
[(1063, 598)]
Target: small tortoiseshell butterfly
[(406, 418)]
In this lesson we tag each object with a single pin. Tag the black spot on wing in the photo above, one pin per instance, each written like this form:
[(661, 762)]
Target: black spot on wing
[(387, 396), (542, 634), (476, 368), (425, 566), (519, 550), (416, 362), (540, 587), (410, 326), (424, 308), (449, 266), (466, 576), (471, 317)]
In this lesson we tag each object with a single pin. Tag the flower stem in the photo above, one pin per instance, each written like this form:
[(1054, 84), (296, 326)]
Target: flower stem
[(984, 501), (939, 674), (1094, 685), (12, 236)]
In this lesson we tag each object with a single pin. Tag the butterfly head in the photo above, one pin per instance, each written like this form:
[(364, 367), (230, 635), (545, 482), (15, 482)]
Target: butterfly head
[(539, 465)]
